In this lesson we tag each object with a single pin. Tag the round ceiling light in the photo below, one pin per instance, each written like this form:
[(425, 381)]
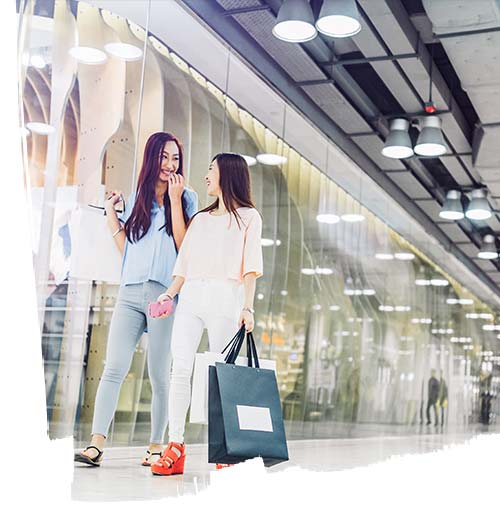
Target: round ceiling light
[(452, 208), (479, 208), (339, 18), (251, 161), (271, 159), (38, 61), (126, 52), (403, 255), (324, 271), (295, 22), (488, 250), (87, 55), (398, 143), (384, 256), (327, 218), (430, 141), (352, 217), (439, 282), (42, 129)]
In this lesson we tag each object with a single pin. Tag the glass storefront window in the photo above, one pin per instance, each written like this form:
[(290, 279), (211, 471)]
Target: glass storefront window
[(355, 316)]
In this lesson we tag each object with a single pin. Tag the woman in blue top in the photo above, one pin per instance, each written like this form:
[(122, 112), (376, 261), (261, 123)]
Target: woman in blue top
[(149, 234)]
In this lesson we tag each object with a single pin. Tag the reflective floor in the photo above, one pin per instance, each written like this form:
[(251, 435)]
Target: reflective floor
[(121, 477)]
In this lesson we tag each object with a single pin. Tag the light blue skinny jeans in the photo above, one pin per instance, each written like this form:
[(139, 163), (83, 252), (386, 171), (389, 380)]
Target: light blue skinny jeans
[(128, 322)]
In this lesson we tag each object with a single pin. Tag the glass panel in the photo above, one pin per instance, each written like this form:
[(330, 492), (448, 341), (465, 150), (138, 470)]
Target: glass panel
[(355, 316)]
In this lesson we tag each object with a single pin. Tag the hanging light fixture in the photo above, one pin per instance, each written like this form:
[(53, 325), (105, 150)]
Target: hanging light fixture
[(488, 248), (479, 208), (295, 22), (339, 18), (327, 218), (398, 143), (452, 208), (430, 140)]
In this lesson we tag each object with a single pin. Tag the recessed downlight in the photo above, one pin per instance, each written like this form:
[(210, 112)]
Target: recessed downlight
[(352, 217), (88, 55), (327, 218), (404, 255), (42, 129), (251, 161), (271, 159), (126, 52)]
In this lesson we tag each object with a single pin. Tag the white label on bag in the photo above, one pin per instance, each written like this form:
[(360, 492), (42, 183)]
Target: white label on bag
[(254, 418)]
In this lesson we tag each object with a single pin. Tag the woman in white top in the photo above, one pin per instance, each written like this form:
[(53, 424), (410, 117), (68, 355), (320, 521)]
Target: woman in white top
[(215, 273)]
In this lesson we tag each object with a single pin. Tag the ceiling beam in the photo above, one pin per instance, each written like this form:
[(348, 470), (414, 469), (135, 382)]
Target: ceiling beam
[(272, 73)]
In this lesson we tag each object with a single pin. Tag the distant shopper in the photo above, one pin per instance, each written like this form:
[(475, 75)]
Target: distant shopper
[(432, 397), (215, 273), (443, 396), (149, 235)]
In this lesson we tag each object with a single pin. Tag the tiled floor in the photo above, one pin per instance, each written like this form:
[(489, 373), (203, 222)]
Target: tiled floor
[(120, 477)]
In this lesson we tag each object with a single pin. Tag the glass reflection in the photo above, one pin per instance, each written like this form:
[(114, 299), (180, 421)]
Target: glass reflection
[(355, 316)]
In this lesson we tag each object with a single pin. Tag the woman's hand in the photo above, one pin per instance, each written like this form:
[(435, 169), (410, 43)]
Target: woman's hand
[(175, 187), (246, 318), (164, 297), (113, 198)]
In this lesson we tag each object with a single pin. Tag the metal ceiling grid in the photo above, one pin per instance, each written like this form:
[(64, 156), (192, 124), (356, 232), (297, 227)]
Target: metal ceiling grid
[(410, 186), (336, 106), (298, 65), (387, 24), (454, 232), (238, 4)]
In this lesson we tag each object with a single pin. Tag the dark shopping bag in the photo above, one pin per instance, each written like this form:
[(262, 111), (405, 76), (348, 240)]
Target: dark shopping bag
[(244, 409)]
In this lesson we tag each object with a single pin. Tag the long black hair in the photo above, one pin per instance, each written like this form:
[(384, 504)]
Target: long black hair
[(234, 181), (139, 221)]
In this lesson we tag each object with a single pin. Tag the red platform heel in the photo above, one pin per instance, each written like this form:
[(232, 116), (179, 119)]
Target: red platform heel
[(222, 466), (171, 461)]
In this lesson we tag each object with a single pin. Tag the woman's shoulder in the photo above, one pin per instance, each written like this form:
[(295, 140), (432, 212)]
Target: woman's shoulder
[(249, 213)]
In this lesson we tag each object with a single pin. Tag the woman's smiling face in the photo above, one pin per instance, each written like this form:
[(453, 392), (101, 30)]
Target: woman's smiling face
[(213, 179), (169, 163)]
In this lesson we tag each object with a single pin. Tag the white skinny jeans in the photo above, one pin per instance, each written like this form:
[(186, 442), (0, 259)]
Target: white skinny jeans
[(203, 303)]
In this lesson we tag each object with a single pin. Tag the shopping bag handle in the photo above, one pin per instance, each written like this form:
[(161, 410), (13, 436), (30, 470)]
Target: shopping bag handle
[(237, 342), (251, 346)]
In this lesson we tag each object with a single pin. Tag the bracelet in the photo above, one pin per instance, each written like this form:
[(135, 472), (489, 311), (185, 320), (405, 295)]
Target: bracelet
[(251, 310), (117, 231)]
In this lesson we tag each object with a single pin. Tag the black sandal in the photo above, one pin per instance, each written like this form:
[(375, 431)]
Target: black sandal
[(85, 459), (146, 460)]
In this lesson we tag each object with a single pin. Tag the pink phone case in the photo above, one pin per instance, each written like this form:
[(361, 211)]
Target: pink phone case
[(157, 309)]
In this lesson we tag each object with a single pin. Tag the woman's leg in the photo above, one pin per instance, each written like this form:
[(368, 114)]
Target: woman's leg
[(222, 319), (127, 325), (186, 336), (221, 329), (159, 366)]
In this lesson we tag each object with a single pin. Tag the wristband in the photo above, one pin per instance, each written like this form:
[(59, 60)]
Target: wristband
[(117, 231), (251, 310)]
